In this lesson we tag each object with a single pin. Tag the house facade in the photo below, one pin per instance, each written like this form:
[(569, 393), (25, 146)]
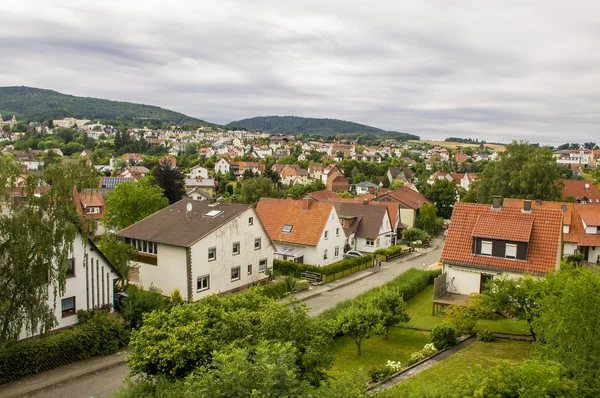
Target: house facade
[(367, 226), (89, 284), (409, 203), (485, 242), (303, 231), (222, 166), (201, 248)]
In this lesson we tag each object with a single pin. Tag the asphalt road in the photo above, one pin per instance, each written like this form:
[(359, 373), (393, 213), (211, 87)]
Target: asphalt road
[(105, 383)]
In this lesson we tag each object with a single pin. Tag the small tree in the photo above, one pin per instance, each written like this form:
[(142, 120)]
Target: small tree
[(390, 302), (428, 220), (359, 321), (519, 298), (119, 253), (463, 318)]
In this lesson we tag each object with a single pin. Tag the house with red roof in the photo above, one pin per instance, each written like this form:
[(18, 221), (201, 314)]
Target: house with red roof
[(580, 191), (409, 202), (489, 241), (303, 231)]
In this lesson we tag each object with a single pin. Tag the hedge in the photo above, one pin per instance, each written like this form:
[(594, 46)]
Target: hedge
[(390, 251), (296, 269), (102, 334), (410, 283), (277, 290)]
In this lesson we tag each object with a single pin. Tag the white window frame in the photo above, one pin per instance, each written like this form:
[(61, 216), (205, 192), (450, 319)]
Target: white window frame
[(326, 234), (513, 247), (203, 278), (250, 220), (325, 254), (259, 242), (370, 242), (249, 269), (233, 249), (264, 262), (239, 273), (69, 312), (486, 242), (337, 231), (337, 251), (214, 251)]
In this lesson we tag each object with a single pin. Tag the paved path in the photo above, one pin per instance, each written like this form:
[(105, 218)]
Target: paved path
[(104, 383)]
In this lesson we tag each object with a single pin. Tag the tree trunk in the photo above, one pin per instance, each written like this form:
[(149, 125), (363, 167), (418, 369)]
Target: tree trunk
[(387, 332), (358, 341), (532, 332)]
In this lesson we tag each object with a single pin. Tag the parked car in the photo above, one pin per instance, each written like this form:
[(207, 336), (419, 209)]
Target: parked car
[(352, 254)]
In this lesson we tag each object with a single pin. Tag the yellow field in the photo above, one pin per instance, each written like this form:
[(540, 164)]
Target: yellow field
[(453, 145)]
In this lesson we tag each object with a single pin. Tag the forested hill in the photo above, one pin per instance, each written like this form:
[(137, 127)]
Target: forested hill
[(38, 104), (313, 126)]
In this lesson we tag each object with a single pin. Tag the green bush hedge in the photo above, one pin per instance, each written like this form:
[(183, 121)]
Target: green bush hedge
[(296, 269), (390, 251), (486, 335), (275, 290), (102, 334), (443, 336), (409, 283)]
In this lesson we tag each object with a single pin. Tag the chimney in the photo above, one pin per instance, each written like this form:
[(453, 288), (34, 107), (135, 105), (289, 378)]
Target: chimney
[(234, 199), (306, 203), (365, 201), (496, 202), (527, 206), (538, 202)]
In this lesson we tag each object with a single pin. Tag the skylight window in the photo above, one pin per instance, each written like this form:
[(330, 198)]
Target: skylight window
[(287, 228), (213, 213)]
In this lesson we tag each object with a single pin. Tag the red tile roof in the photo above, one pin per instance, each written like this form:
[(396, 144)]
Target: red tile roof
[(408, 197), (307, 224), (495, 225), (544, 242), (577, 189)]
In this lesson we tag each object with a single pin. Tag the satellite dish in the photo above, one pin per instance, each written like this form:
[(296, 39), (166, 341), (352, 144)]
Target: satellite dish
[(188, 207), (563, 207)]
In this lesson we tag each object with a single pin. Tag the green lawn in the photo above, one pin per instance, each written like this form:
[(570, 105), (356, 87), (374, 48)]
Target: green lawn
[(419, 309), (376, 351), (475, 358)]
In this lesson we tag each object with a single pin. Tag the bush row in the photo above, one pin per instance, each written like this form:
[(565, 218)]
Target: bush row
[(296, 269), (101, 334), (409, 283), (277, 290), (390, 251)]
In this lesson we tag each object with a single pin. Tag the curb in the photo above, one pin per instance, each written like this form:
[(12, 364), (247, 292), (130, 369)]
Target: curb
[(66, 380)]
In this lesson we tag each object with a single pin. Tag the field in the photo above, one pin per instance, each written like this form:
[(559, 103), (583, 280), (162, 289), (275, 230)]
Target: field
[(454, 145), (477, 357)]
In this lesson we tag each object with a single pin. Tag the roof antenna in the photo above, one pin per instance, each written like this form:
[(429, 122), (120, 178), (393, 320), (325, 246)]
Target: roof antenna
[(188, 210)]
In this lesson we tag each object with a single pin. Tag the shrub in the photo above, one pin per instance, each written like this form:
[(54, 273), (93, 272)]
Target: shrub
[(302, 285), (463, 318), (412, 234), (415, 357), (140, 302), (380, 372), (102, 334), (275, 290), (85, 315), (486, 335), (443, 336), (390, 251), (296, 269)]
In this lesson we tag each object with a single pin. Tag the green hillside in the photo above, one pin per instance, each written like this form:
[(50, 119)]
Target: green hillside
[(30, 103), (313, 126)]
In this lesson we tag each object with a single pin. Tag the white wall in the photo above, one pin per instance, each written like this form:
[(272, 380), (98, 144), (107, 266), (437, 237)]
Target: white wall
[(237, 230), (468, 281), (593, 254), (569, 248), (169, 273), (222, 167), (330, 243), (407, 217), (199, 172)]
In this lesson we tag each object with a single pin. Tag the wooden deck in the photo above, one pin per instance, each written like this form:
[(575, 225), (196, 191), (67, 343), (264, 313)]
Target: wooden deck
[(447, 299)]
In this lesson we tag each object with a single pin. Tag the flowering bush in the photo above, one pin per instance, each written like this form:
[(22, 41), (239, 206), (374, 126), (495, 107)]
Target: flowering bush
[(427, 351), (395, 366)]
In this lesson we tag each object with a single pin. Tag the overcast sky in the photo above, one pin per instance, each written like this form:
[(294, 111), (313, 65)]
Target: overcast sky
[(495, 70)]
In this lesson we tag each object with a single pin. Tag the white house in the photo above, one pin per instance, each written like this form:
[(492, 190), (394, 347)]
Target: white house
[(303, 231), (222, 167), (201, 248), (198, 172), (368, 227), (89, 284), (485, 242)]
